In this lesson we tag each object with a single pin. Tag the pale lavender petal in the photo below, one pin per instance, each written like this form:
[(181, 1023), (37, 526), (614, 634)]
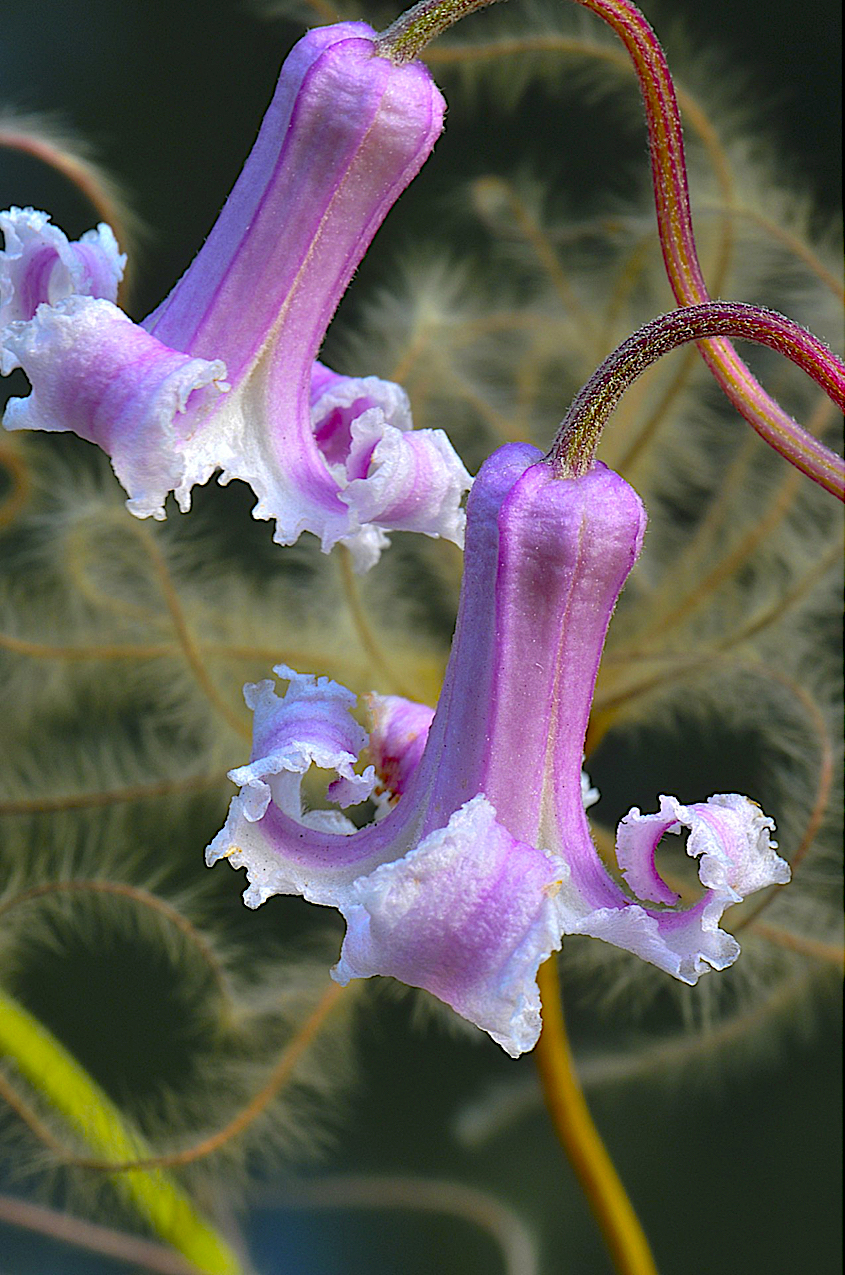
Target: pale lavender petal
[(38, 264), (397, 740), (389, 476), (566, 547), (284, 848), (728, 833), (730, 836), (345, 133), (470, 880), (98, 374), (468, 915), (337, 401), (414, 481), (457, 757), (311, 725), (637, 838)]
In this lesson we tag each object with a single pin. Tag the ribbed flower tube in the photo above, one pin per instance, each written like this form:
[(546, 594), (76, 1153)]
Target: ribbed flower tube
[(345, 133), (472, 878)]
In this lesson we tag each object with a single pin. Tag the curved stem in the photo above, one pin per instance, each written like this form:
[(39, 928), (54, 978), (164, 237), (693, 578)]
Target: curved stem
[(567, 1107), (428, 1195), (49, 803), (44, 1063), (144, 898), (379, 664), (574, 447), (192, 652), (674, 220), (104, 1240), (405, 38), (15, 499)]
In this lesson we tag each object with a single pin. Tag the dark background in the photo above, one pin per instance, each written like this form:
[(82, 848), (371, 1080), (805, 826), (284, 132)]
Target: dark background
[(742, 1172)]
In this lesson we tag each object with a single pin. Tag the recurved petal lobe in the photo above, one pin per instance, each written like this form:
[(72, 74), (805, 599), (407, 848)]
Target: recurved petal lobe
[(729, 835), (469, 916), (98, 374), (39, 265)]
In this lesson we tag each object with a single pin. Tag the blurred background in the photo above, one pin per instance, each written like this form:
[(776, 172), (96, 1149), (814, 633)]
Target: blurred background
[(727, 1164)]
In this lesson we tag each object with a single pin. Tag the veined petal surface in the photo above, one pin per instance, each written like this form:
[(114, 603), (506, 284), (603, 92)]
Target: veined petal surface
[(486, 860), (98, 374), (468, 915), (346, 131), (38, 265)]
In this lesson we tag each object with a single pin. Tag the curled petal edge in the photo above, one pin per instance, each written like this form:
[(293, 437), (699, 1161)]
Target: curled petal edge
[(96, 373), (311, 725), (468, 911), (729, 835), (39, 264)]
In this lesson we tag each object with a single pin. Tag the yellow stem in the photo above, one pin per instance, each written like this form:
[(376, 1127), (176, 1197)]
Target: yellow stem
[(570, 1115), (43, 1062)]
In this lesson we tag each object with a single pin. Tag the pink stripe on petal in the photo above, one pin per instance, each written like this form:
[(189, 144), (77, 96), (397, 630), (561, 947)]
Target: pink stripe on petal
[(96, 373), (468, 915), (39, 265), (310, 725), (345, 133), (471, 879)]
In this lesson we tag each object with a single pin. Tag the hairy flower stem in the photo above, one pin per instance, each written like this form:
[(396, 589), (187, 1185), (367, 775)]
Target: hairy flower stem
[(626, 1242), (60, 1081), (405, 38), (574, 448), (674, 220), (409, 35)]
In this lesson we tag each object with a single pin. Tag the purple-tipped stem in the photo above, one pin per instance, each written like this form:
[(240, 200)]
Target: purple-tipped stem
[(409, 35), (674, 220), (575, 445)]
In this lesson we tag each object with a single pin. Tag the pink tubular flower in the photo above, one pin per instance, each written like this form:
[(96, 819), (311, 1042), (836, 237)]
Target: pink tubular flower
[(470, 881), (221, 376)]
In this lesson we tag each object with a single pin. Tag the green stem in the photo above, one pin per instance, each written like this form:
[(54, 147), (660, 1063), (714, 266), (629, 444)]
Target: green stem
[(405, 38), (59, 1079)]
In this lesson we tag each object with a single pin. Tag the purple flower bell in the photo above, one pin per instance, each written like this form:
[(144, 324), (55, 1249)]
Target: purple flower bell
[(222, 375), (470, 880)]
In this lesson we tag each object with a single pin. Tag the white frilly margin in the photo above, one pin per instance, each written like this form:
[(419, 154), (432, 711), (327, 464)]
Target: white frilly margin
[(393, 477), (468, 912), (729, 835), (96, 373), (311, 724), (469, 915), (39, 264)]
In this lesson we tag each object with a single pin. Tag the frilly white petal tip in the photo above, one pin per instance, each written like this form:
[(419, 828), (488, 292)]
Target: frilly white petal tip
[(309, 725), (40, 265), (413, 481), (390, 476), (430, 920), (729, 835), (97, 374), (344, 392)]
